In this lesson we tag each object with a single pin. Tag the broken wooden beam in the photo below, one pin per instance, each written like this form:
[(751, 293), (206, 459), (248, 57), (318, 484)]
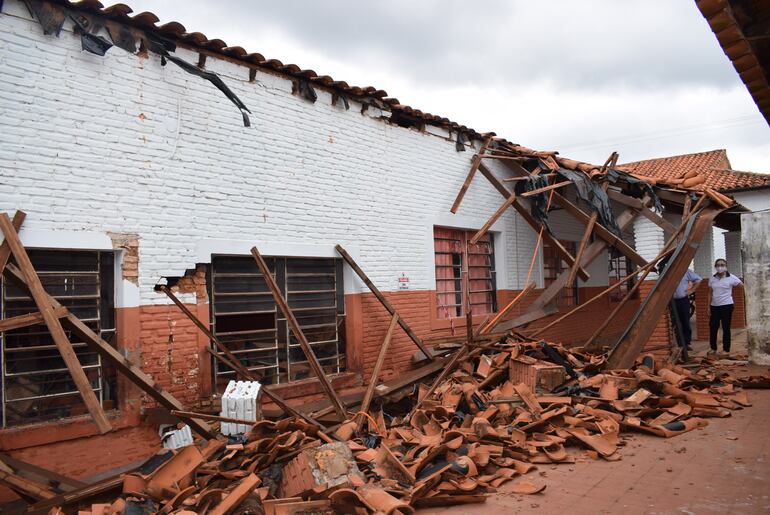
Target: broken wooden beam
[(43, 303), (631, 342), (377, 368), (536, 225), (27, 320), (315, 365), (385, 303), (5, 249), (492, 219), (475, 162)]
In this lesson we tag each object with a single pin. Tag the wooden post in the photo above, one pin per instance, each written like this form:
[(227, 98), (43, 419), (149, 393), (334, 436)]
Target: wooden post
[(385, 303), (377, 367), (63, 344), (339, 408)]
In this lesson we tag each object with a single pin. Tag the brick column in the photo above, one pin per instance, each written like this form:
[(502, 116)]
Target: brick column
[(649, 242)]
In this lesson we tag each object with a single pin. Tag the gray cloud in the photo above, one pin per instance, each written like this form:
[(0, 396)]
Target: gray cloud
[(639, 44)]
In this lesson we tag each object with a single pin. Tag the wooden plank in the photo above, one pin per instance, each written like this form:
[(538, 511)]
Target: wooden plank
[(492, 219), (537, 308), (645, 211), (630, 344), (54, 479), (58, 335), (5, 250), (536, 226), (550, 187), (109, 353), (235, 362), (377, 367), (475, 162), (25, 486), (27, 320), (339, 408), (582, 247), (385, 303)]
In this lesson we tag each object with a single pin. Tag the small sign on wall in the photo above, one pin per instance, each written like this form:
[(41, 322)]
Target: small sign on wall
[(403, 282)]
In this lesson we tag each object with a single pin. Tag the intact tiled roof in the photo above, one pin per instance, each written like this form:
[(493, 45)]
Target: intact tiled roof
[(176, 32), (713, 166), (741, 27)]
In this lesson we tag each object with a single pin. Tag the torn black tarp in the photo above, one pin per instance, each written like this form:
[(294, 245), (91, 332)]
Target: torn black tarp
[(212, 77), (462, 140), (614, 175), (305, 90), (90, 42), (539, 202), (50, 16), (594, 196)]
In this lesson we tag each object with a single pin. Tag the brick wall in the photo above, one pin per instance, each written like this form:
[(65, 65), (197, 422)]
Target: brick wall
[(660, 340)]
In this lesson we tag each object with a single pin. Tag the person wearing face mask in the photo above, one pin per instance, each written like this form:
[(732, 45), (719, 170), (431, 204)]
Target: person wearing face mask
[(721, 292)]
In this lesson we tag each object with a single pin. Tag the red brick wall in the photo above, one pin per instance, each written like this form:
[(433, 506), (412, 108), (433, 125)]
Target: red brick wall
[(85, 457), (660, 340)]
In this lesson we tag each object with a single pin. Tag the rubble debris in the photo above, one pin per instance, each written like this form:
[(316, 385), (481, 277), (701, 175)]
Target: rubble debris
[(462, 443)]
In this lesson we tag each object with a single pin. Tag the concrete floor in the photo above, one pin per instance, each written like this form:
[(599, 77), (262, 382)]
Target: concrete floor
[(722, 468)]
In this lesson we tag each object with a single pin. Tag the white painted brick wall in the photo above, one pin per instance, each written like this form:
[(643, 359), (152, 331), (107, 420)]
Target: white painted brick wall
[(649, 240), (703, 262), (119, 143)]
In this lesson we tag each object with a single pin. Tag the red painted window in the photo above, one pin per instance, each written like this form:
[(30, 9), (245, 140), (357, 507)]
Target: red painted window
[(465, 273), (553, 266)]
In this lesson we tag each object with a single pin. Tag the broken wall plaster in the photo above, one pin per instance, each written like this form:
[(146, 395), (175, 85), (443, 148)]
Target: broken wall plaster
[(755, 249), (128, 243)]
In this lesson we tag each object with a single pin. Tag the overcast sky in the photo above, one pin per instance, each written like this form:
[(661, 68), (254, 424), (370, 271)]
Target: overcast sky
[(646, 78)]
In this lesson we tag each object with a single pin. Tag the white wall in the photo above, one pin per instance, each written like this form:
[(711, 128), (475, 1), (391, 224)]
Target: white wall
[(118, 143), (758, 200)]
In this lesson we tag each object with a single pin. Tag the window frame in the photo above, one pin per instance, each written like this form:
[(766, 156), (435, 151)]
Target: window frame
[(60, 278), (461, 275), (280, 344), (614, 275), (569, 296)]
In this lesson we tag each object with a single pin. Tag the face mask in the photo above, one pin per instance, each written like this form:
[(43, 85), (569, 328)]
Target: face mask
[(721, 269)]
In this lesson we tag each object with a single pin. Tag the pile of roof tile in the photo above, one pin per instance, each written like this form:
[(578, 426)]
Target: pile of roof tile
[(487, 423)]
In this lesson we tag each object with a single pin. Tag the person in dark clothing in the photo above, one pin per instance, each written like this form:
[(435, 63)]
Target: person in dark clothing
[(721, 291), (687, 285)]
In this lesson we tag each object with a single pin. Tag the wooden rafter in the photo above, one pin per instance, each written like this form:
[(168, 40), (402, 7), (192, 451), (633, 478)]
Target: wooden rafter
[(536, 225), (475, 162), (492, 219), (538, 309)]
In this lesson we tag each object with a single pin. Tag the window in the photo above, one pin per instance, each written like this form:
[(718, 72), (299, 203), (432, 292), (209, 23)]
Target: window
[(465, 273), (620, 267), (553, 266), (245, 318), (36, 385)]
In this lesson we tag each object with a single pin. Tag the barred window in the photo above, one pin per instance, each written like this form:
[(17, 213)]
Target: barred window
[(553, 266), (245, 318), (36, 385), (465, 273), (618, 268)]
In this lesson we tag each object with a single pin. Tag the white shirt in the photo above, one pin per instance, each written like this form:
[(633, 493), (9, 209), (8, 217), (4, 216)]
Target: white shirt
[(722, 289)]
